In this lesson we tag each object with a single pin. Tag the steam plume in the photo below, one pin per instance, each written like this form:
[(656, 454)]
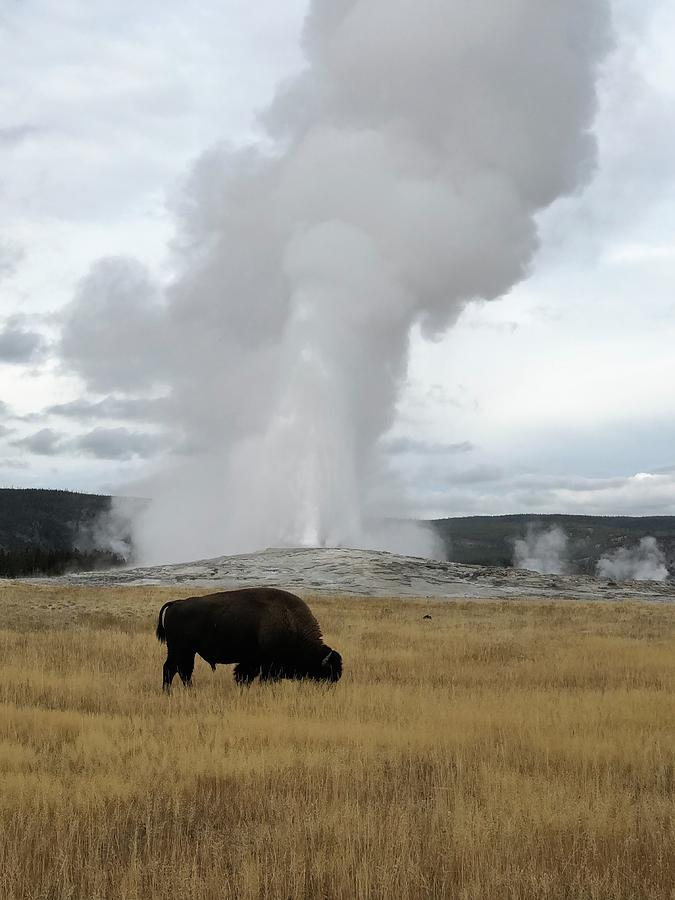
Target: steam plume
[(111, 530), (543, 551), (644, 562), (402, 176)]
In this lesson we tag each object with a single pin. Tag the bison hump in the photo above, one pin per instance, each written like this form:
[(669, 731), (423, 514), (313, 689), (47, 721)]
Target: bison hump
[(290, 622)]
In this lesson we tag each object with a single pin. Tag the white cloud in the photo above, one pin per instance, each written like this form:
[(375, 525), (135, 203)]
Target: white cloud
[(103, 107), (632, 254)]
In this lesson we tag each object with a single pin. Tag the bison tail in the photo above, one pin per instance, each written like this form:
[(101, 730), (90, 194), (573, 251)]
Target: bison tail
[(160, 631)]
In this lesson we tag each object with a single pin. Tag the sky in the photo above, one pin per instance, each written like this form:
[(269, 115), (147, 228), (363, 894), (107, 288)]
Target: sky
[(556, 397)]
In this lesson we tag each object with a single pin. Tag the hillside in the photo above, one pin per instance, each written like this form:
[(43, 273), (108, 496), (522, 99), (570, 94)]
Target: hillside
[(40, 530), (489, 540), (47, 531), (46, 519)]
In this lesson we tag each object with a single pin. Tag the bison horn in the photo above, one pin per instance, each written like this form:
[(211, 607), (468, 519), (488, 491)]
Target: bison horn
[(324, 662)]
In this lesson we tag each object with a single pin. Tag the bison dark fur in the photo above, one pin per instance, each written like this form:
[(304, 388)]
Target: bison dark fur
[(265, 631)]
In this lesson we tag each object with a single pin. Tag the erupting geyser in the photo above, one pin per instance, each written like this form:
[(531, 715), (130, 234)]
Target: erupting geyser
[(408, 163)]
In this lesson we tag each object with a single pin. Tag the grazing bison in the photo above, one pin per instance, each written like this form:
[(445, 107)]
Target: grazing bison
[(265, 631)]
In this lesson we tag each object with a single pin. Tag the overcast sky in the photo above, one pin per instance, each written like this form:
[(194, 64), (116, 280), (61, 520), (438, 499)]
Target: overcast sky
[(557, 398)]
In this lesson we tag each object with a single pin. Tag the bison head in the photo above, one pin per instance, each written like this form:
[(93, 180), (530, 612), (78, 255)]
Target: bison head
[(331, 666), (319, 664)]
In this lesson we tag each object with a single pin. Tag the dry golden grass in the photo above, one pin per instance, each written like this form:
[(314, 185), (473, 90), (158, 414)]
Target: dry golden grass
[(498, 750)]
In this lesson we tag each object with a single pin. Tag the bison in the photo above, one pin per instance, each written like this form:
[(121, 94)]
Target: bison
[(265, 631)]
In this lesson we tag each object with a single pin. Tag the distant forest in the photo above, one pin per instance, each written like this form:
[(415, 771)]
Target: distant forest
[(32, 561), (490, 540), (45, 532)]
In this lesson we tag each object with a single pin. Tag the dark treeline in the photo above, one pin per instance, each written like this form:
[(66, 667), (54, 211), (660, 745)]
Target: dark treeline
[(50, 532), (48, 519), (490, 540), (34, 561)]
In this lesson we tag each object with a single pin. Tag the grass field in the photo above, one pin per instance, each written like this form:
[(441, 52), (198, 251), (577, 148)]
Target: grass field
[(498, 750)]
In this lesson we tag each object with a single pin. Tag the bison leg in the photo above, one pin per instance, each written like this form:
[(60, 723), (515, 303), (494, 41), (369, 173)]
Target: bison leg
[(186, 666), (272, 671), (244, 673), (169, 670)]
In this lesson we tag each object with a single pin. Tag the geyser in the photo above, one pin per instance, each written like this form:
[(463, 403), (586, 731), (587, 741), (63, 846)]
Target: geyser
[(400, 178)]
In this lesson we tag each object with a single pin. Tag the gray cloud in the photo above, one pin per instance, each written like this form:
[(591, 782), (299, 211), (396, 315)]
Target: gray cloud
[(636, 495), (19, 345), (119, 443), (13, 464), (45, 442), (474, 475), (407, 445), (10, 256), (438, 476), (572, 483), (112, 407), (114, 332), (16, 134), (664, 470), (99, 443)]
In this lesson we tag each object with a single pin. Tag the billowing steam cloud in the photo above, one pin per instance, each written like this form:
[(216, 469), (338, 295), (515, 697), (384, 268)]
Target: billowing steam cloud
[(543, 551), (111, 530), (401, 178), (645, 561)]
